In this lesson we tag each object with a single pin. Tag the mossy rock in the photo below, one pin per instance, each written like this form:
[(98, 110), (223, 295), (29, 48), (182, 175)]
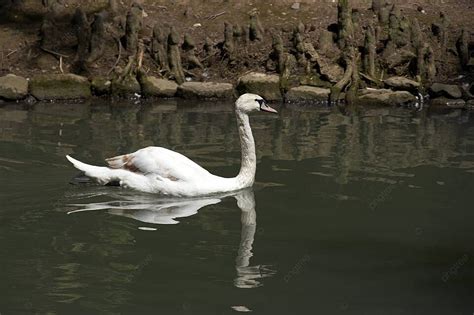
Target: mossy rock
[(101, 86), (60, 87), (265, 85), (386, 97), (402, 83), (126, 87), (305, 93), (153, 86), (13, 87), (447, 103), (445, 90), (206, 90)]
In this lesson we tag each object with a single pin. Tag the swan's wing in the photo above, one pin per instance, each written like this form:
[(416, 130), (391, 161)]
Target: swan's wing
[(158, 161)]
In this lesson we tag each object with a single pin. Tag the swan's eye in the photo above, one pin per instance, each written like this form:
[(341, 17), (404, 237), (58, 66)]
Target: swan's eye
[(260, 102)]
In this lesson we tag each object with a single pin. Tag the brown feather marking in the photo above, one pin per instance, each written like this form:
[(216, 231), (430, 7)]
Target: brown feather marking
[(129, 165), (123, 161), (116, 161)]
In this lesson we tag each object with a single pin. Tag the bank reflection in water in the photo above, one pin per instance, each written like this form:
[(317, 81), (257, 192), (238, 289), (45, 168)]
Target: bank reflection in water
[(150, 209), (369, 140)]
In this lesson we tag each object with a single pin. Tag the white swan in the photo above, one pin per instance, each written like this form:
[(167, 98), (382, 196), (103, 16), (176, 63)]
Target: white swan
[(162, 171)]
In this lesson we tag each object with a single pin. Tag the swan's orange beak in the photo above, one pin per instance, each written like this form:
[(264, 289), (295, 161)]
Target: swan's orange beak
[(265, 108)]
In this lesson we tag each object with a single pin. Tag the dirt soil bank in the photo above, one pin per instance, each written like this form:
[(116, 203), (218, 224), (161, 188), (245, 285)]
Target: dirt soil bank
[(221, 40)]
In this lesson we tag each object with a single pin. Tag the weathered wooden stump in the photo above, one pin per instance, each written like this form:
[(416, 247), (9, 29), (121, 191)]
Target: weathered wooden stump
[(82, 30), (189, 48), (255, 28), (326, 43), (345, 35), (209, 47), (440, 29), (463, 48), (98, 36), (159, 47), (369, 51), (174, 56), (278, 53), (298, 45), (346, 43), (228, 46), (133, 26)]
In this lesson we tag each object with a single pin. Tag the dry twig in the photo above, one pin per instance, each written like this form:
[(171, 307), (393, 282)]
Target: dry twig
[(140, 58), (12, 52), (61, 64), (118, 57), (212, 17), (54, 53)]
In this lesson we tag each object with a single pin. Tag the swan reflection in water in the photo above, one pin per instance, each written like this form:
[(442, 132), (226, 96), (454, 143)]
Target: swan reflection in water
[(149, 209)]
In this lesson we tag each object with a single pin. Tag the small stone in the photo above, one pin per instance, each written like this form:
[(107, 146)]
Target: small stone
[(386, 97), (402, 83), (446, 90), (443, 102), (306, 93), (13, 87), (153, 86), (374, 91), (206, 90), (265, 85), (295, 6)]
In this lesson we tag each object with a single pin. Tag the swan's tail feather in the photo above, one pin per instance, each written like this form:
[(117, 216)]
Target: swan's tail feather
[(101, 174)]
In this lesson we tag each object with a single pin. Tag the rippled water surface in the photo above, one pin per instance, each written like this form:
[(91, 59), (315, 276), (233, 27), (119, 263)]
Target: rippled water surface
[(366, 211)]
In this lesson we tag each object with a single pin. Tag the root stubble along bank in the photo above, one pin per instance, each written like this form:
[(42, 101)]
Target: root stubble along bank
[(351, 49)]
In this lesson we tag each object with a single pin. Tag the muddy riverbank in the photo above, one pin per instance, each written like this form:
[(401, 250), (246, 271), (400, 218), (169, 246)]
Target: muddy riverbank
[(381, 51)]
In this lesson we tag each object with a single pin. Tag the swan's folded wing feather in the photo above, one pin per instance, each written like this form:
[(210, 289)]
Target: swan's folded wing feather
[(159, 161), (125, 161)]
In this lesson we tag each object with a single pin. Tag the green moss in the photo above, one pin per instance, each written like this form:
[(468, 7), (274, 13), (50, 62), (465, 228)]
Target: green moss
[(126, 87), (60, 86), (100, 85)]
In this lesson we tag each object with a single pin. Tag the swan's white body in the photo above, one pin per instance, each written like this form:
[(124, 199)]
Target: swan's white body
[(162, 171)]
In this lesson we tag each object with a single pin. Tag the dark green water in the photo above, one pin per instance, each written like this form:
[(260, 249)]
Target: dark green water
[(366, 212)]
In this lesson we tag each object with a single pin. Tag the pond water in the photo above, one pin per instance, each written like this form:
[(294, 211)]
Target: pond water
[(365, 211)]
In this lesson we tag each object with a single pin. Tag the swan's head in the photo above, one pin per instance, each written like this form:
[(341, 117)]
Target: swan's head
[(249, 102)]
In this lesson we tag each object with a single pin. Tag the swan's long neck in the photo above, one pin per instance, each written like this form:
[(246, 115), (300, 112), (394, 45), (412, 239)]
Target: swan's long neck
[(248, 165)]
